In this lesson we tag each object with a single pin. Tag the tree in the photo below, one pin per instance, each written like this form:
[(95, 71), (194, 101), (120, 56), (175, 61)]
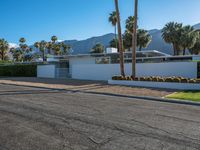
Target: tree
[(171, 33), (114, 43), (113, 20), (195, 50), (57, 48), (42, 46), (143, 39), (134, 40), (17, 54), (188, 38), (121, 52), (4, 47), (54, 39), (65, 48), (98, 48), (24, 48), (127, 38), (130, 24)]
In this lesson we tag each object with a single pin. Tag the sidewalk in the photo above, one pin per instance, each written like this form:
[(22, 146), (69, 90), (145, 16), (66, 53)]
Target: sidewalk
[(86, 86)]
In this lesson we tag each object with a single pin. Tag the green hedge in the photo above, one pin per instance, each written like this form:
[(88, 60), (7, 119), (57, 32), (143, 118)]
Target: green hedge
[(18, 70)]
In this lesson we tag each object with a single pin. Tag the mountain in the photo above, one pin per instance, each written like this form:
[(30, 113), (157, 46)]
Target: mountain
[(84, 46)]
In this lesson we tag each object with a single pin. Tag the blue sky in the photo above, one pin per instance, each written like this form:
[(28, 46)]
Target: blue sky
[(80, 19)]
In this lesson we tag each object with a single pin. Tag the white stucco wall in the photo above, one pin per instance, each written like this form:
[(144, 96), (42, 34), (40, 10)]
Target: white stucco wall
[(106, 71), (46, 71)]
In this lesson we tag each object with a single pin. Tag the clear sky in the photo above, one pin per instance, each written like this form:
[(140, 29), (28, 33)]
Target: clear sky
[(80, 19)]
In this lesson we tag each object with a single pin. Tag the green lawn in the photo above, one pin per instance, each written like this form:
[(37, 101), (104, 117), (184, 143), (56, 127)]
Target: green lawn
[(187, 95)]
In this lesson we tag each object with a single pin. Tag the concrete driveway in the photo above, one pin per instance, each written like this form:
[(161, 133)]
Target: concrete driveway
[(44, 119)]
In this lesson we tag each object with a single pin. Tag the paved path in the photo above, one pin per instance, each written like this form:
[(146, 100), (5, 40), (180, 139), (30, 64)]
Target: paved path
[(88, 86), (42, 119)]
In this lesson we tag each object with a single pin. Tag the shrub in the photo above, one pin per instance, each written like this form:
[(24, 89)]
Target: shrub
[(161, 80), (142, 79), (192, 81), (148, 78), (176, 80), (169, 79), (18, 70), (184, 80), (155, 79)]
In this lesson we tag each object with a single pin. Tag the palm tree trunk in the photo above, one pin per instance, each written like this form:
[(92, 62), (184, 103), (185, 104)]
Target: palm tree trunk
[(134, 40), (121, 56), (184, 51), (140, 49), (174, 48), (116, 38)]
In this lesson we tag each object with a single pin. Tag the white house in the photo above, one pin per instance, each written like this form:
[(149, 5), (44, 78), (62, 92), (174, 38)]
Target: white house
[(104, 66)]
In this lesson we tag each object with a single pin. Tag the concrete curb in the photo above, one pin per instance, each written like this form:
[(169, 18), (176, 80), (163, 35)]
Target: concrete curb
[(148, 98)]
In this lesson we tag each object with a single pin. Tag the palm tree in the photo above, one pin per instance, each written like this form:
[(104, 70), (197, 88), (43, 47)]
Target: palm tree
[(130, 24), (143, 38), (98, 48), (171, 33), (42, 46), (113, 20), (4, 46), (195, 50), (54, 39), (17, 54), (65, 48), (57, 48), (120, 39), (114, 43), (134, 39), (188, 38), (24, 48)]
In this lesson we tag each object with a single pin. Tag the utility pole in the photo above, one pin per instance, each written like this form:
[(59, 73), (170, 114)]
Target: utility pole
[(134, 40)]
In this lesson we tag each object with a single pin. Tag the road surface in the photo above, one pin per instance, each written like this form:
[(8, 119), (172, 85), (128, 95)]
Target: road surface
[(43, 119)]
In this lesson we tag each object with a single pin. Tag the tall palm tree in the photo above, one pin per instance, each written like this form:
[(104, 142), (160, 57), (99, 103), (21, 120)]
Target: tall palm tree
[(171, 33), (42, 46), (113, 20), (130, 24), (134, 39), (98, 48), (4, 46), (17, 54), (143, 38), (195, 50), (188, 38), (121, 56), (65, 48), (54, 39)]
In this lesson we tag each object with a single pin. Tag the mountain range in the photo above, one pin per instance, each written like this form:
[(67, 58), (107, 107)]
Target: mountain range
[(84, 46)]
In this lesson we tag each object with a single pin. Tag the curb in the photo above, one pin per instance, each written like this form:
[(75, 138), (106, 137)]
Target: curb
[(147, 98)]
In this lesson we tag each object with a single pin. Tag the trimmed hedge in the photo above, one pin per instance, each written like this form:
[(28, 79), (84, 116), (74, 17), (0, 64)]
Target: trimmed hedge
[(19, 70), (158, 79)]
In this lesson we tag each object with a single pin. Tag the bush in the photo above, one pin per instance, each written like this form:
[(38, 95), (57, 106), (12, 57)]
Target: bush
[(183, 80), (18, 70), (176, 80), (169, 79), (192, 81), (157, 79)]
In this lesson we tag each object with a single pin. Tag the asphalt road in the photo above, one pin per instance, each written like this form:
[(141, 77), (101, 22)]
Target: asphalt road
[(42, 119)]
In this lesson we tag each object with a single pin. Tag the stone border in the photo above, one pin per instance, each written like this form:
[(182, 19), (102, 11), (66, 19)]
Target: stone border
[(163, 85)]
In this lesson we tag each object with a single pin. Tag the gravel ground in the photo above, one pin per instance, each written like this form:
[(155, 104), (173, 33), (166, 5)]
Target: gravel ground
[(88, 86), (42, 119)]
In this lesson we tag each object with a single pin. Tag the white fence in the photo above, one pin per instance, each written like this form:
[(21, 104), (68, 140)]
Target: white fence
[(106, 71)]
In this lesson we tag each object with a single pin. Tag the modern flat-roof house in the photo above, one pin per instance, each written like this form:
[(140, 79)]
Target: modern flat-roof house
[(104, 66)]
